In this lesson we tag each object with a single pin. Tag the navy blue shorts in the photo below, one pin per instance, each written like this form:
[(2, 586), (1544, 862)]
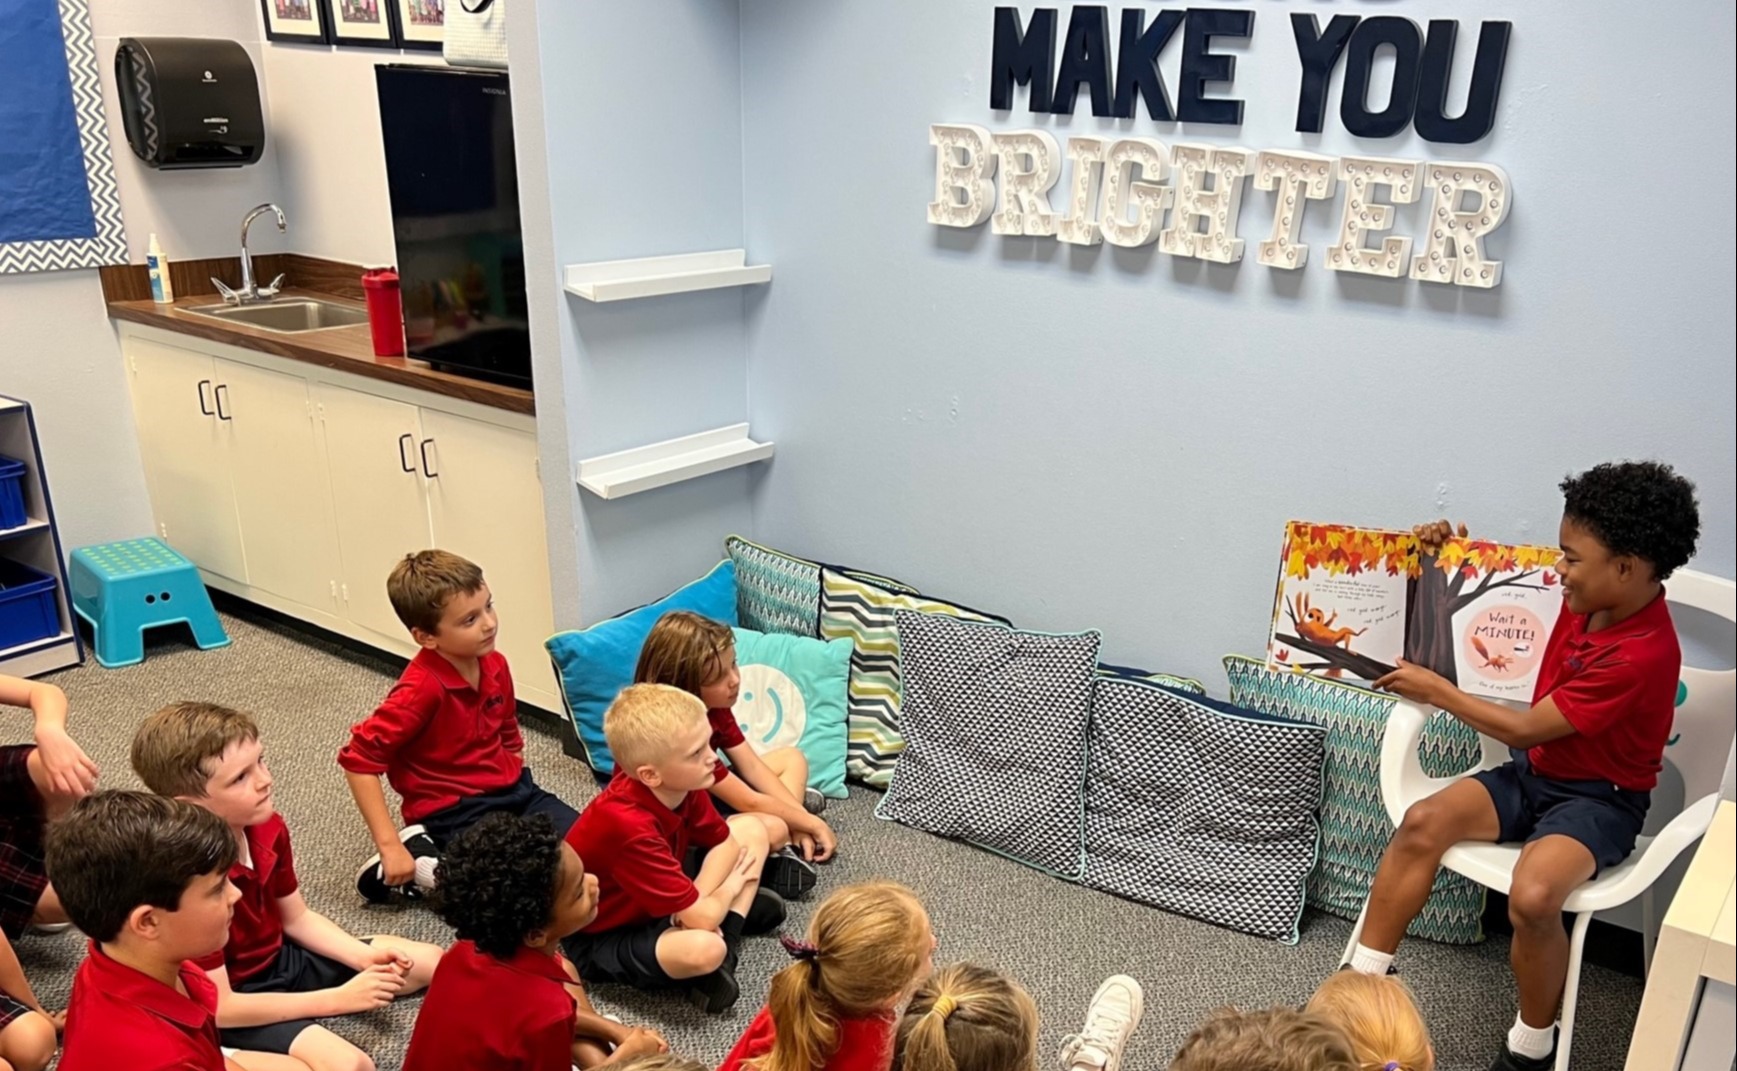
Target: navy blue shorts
[(521, 798), (295, 970), (1604, 818)]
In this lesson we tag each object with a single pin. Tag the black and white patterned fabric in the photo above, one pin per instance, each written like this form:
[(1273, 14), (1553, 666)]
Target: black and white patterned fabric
[(1202, 808), (994, 721)]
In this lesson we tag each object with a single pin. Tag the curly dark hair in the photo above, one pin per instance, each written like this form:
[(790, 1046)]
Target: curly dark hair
[(1638, 508), (496, 880)]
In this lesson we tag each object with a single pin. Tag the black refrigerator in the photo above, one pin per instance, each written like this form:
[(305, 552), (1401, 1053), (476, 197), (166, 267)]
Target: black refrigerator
[(448, 135)]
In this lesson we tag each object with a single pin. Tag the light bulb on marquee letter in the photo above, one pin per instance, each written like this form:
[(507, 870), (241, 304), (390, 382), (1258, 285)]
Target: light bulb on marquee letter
[(1452, 250), (1363, 215), (1300, 177), (1025, 208), (1085, 175), (964, 165), (1149, 198), (1219, 206)]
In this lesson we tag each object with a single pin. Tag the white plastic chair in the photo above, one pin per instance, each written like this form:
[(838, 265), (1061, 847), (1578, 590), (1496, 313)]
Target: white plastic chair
[(1701, 743)]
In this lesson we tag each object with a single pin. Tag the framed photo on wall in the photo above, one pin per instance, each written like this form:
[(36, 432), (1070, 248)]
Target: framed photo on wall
[(361, 22), (419, 23), (296, 22)]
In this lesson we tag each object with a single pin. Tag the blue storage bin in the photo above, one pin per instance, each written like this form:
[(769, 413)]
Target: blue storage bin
[(27, 605), (12, 493)]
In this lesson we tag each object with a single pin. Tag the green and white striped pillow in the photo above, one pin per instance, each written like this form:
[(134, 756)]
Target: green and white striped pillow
[(866, 614)]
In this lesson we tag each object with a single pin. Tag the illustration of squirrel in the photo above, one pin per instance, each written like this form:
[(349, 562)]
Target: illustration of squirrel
[(1317, 627)]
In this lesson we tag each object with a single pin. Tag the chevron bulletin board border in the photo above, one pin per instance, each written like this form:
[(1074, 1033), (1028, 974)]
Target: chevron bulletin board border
[(109, 244)]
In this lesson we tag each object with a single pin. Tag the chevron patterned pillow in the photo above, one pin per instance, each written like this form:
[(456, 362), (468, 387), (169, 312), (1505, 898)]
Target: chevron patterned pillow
[(1201, 808), (1354, 824), (864, 613), (996, 726)]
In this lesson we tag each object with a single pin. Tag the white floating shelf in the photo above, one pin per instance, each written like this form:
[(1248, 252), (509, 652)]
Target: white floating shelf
[(619, 280), (672, 461)]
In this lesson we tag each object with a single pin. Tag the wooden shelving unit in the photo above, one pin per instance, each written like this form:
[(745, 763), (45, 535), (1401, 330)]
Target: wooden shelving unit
[(37, 545)]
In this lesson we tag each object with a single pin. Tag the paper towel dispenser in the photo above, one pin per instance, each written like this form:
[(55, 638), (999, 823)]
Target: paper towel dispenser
[(189, 102)]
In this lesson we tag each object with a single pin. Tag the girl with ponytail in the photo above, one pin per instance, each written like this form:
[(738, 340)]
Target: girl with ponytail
[(835, 1007), (968, 1018), (1379, 1017)]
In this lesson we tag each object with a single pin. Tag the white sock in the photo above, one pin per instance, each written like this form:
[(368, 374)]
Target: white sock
[(425, 865), (1532, 1042), (1368, 961)]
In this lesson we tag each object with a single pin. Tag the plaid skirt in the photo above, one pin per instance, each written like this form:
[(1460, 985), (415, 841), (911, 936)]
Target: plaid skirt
[(22, 873)]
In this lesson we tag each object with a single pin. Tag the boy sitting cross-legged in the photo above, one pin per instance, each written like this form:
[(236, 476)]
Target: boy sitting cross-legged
[(666, 919), (285, 964), (1586, 754), (447, 734), (504, 998), (147, 879)]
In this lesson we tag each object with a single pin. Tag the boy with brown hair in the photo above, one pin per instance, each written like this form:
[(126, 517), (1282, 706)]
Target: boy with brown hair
[(285, 964), (1277, 1039), (1586, 754), (447, 734), (664, 918), (146, 878)]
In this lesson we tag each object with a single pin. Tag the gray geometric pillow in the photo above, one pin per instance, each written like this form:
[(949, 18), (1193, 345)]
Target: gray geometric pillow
[(1201, 808), (994, 722)]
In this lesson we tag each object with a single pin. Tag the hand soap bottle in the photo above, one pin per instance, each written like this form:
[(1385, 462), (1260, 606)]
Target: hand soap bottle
[(162, 290)]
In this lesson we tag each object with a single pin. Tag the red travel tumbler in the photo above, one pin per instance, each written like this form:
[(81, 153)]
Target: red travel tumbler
[(385, 311)]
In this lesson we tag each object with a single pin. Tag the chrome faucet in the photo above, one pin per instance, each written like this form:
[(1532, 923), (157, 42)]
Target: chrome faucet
[(250, 290)]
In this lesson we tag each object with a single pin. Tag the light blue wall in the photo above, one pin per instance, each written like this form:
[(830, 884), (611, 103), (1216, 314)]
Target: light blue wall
[(639, 108), (1114, 439)]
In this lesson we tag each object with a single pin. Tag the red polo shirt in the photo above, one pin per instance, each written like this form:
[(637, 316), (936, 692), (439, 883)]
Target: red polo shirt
[(1618, 688), (635, 846), (725, 733), (121, 1018), (863, 1044), (505, 1015), (437, 739), (256, 929)]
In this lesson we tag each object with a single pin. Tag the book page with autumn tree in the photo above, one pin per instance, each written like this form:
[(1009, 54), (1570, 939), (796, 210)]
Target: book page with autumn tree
[(1481, 613), (1340, 607)]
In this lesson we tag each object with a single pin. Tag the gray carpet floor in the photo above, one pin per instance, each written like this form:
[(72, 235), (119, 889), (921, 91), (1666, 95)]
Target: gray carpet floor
[(1058, 939)]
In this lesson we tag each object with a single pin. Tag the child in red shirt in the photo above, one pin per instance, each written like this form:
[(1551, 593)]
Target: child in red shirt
[(503, 997), (285, 964), (698, 655), (835, 1009), (1586, 755), (446, 736), (146, 878), (669, 916)]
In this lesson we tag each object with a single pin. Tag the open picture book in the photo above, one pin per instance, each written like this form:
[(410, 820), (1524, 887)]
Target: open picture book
[(1353, 600)]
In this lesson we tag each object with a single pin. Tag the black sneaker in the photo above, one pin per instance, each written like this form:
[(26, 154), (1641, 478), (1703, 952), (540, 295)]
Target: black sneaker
[(371, 879), (788, 875), (714, 993), (766, 914), (1507, 1060), (813, 801)]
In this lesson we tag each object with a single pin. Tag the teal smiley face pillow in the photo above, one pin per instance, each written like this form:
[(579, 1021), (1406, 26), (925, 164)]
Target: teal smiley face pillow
[(793, 695)]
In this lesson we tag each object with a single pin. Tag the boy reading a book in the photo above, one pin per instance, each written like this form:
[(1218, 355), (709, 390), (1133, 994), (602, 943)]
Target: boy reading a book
[(1586, 755)]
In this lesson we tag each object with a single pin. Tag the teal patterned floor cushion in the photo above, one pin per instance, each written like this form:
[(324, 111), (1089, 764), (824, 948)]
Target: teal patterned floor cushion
[(793, 695), (1354, 825), (864, 613), (775, 592)]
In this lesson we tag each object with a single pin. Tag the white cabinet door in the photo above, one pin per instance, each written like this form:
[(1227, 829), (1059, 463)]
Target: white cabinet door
[(485, 502), (185, 448), (377, 498), (282, 493)]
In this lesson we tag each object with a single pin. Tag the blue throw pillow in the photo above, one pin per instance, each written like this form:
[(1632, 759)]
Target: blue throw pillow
[(793, 695), (594, 664)]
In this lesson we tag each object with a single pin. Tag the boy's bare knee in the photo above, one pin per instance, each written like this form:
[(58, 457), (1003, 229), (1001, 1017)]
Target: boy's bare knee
[(1534, 905), (751, 830), (28, 1043), (691, 953)]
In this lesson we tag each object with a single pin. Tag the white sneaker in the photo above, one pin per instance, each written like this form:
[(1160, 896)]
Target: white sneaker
[(1110, 1019)]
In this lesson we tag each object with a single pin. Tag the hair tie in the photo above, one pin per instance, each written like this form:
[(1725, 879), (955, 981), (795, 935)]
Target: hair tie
[(1392, 1065), (799, 949), (944, 1005)]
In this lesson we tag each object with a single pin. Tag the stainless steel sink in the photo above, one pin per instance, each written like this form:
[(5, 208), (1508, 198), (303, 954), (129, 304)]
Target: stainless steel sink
[(287, 315)]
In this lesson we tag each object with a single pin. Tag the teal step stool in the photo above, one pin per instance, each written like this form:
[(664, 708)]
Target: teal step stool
[(124, 588)]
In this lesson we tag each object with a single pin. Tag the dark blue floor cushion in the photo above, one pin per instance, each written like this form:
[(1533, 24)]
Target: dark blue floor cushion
[(1201, 808), (994, 721)]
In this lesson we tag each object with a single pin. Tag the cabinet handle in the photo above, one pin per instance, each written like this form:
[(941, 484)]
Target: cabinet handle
[(203, 408), (423, 449), (218, 394), (403, 458)]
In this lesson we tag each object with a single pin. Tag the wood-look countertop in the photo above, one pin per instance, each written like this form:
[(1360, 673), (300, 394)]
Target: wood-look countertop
[(347, 349)]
